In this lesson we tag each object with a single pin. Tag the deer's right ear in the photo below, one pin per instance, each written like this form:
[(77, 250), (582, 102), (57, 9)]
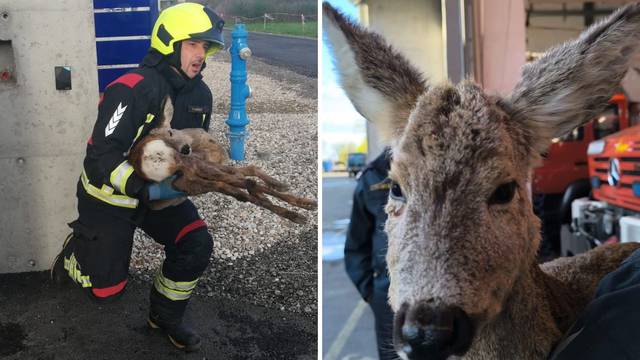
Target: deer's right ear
[(573, 82), (380, 82), (167, 112)]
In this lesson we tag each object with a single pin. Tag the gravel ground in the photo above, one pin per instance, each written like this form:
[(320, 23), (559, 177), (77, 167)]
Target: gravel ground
[(259, 257)]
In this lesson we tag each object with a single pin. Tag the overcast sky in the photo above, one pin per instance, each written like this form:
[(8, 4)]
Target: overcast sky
[(339, 121)]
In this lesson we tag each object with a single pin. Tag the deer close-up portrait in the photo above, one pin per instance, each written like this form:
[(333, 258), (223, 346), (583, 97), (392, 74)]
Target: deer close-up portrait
[(463, 239)]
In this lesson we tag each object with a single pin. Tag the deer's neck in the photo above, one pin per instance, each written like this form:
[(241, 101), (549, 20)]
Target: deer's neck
[(536, 315)]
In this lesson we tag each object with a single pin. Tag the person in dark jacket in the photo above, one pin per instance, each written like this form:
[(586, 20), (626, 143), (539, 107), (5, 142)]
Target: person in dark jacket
[(366, 248), (608, 327), (112, 198)]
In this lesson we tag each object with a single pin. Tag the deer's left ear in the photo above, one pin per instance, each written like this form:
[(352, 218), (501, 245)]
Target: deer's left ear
[(381, 84), (573, 82), (167, 113)]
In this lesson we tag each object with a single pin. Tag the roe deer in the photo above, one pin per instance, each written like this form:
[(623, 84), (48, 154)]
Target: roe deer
[(201, 162), (462, 234)]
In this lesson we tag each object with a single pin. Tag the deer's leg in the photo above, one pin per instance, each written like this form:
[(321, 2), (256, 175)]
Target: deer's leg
[(253, 187), (227, 174), (257, 199), (215, 171), (252, 170), (300, 202)]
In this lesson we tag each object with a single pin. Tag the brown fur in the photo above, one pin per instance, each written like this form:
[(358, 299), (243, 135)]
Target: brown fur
[(453, 146), (201, 162)]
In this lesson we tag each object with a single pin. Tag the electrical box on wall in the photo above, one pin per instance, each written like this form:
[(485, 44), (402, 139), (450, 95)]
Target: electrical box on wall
[(63, 77), (7, 63)]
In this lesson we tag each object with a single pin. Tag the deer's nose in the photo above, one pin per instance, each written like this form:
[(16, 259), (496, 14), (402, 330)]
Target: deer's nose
[(424, 331)]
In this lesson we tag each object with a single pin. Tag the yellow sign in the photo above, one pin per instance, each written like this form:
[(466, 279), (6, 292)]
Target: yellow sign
[(620, 147)]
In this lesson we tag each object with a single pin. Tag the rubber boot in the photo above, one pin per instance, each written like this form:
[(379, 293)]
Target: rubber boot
[(58, 274), (167, 315)]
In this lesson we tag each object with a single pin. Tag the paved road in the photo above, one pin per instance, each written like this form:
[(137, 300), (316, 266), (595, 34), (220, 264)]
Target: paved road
[(347, 322), (40, 321), (293, 53), (337, 193)]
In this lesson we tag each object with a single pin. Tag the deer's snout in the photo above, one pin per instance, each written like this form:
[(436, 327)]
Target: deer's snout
[(425, 331)]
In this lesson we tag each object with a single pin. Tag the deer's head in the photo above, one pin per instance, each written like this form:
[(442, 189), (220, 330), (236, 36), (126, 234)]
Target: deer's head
[(154, 156), (178, 140), (461, 227)]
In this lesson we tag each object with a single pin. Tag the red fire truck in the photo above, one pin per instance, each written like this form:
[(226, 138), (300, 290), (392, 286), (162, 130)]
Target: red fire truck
[(613, 212), (564, 176)]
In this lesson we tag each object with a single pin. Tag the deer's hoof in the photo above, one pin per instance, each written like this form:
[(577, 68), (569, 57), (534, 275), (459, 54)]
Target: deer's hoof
[(424, 331)]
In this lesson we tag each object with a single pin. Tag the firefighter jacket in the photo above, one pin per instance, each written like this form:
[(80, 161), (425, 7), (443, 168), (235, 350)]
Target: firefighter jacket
[(129, 108), (365, 248), (608, 326)]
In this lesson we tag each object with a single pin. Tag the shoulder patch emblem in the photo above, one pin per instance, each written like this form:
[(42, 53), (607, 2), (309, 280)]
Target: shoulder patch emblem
[(115, 120), (383, 185), (129, 79)]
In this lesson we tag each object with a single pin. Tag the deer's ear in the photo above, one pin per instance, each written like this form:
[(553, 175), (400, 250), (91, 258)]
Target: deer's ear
[(167, 112), (573, 82), (380, 83)]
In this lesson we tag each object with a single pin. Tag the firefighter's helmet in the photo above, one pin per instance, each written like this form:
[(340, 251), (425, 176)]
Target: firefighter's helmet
[(187, 21)]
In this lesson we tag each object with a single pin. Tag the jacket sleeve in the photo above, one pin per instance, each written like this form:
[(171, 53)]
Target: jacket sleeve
[(120, 115), (207, 119), (358, 245)]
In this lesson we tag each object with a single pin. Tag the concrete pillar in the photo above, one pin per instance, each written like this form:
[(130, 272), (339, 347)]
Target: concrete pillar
[(43, 131), (503, 44)]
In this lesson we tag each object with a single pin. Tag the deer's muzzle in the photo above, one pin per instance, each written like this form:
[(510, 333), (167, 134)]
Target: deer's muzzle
[(425, 331)]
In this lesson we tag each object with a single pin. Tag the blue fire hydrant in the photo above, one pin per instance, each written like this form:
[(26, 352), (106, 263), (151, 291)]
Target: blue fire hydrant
[(240, 91)]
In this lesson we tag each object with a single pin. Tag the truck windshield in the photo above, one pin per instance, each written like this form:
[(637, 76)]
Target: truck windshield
[(634, 113), (356, 159), (607, 123), (576, 135)]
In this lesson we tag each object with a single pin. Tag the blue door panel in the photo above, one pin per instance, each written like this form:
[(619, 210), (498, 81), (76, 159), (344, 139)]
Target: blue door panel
[(102, 4), (133, 23), (112, 21), (121, 52)]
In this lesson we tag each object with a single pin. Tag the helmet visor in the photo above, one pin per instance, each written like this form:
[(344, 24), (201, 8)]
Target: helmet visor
[(214, 47), (213, 36)]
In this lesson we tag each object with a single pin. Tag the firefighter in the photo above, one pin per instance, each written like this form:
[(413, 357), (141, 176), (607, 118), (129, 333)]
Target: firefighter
[(607, 328), (112, 199), (365, 248)]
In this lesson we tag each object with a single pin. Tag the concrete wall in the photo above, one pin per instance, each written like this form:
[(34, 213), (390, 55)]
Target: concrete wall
[(414, 27), (43, 131)]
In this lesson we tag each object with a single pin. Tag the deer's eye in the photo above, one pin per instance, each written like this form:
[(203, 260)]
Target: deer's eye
[(503, 193), (396, 192)]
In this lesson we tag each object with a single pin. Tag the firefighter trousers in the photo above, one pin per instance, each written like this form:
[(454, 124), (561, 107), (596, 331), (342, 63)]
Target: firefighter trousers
[(98, 259)]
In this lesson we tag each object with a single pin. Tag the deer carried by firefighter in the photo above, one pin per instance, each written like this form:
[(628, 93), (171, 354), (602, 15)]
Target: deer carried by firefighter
[(200, 163)]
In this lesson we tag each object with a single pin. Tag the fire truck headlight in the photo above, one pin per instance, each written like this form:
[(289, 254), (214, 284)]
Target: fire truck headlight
[(596, 147), (595, 182), (636, 188)]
